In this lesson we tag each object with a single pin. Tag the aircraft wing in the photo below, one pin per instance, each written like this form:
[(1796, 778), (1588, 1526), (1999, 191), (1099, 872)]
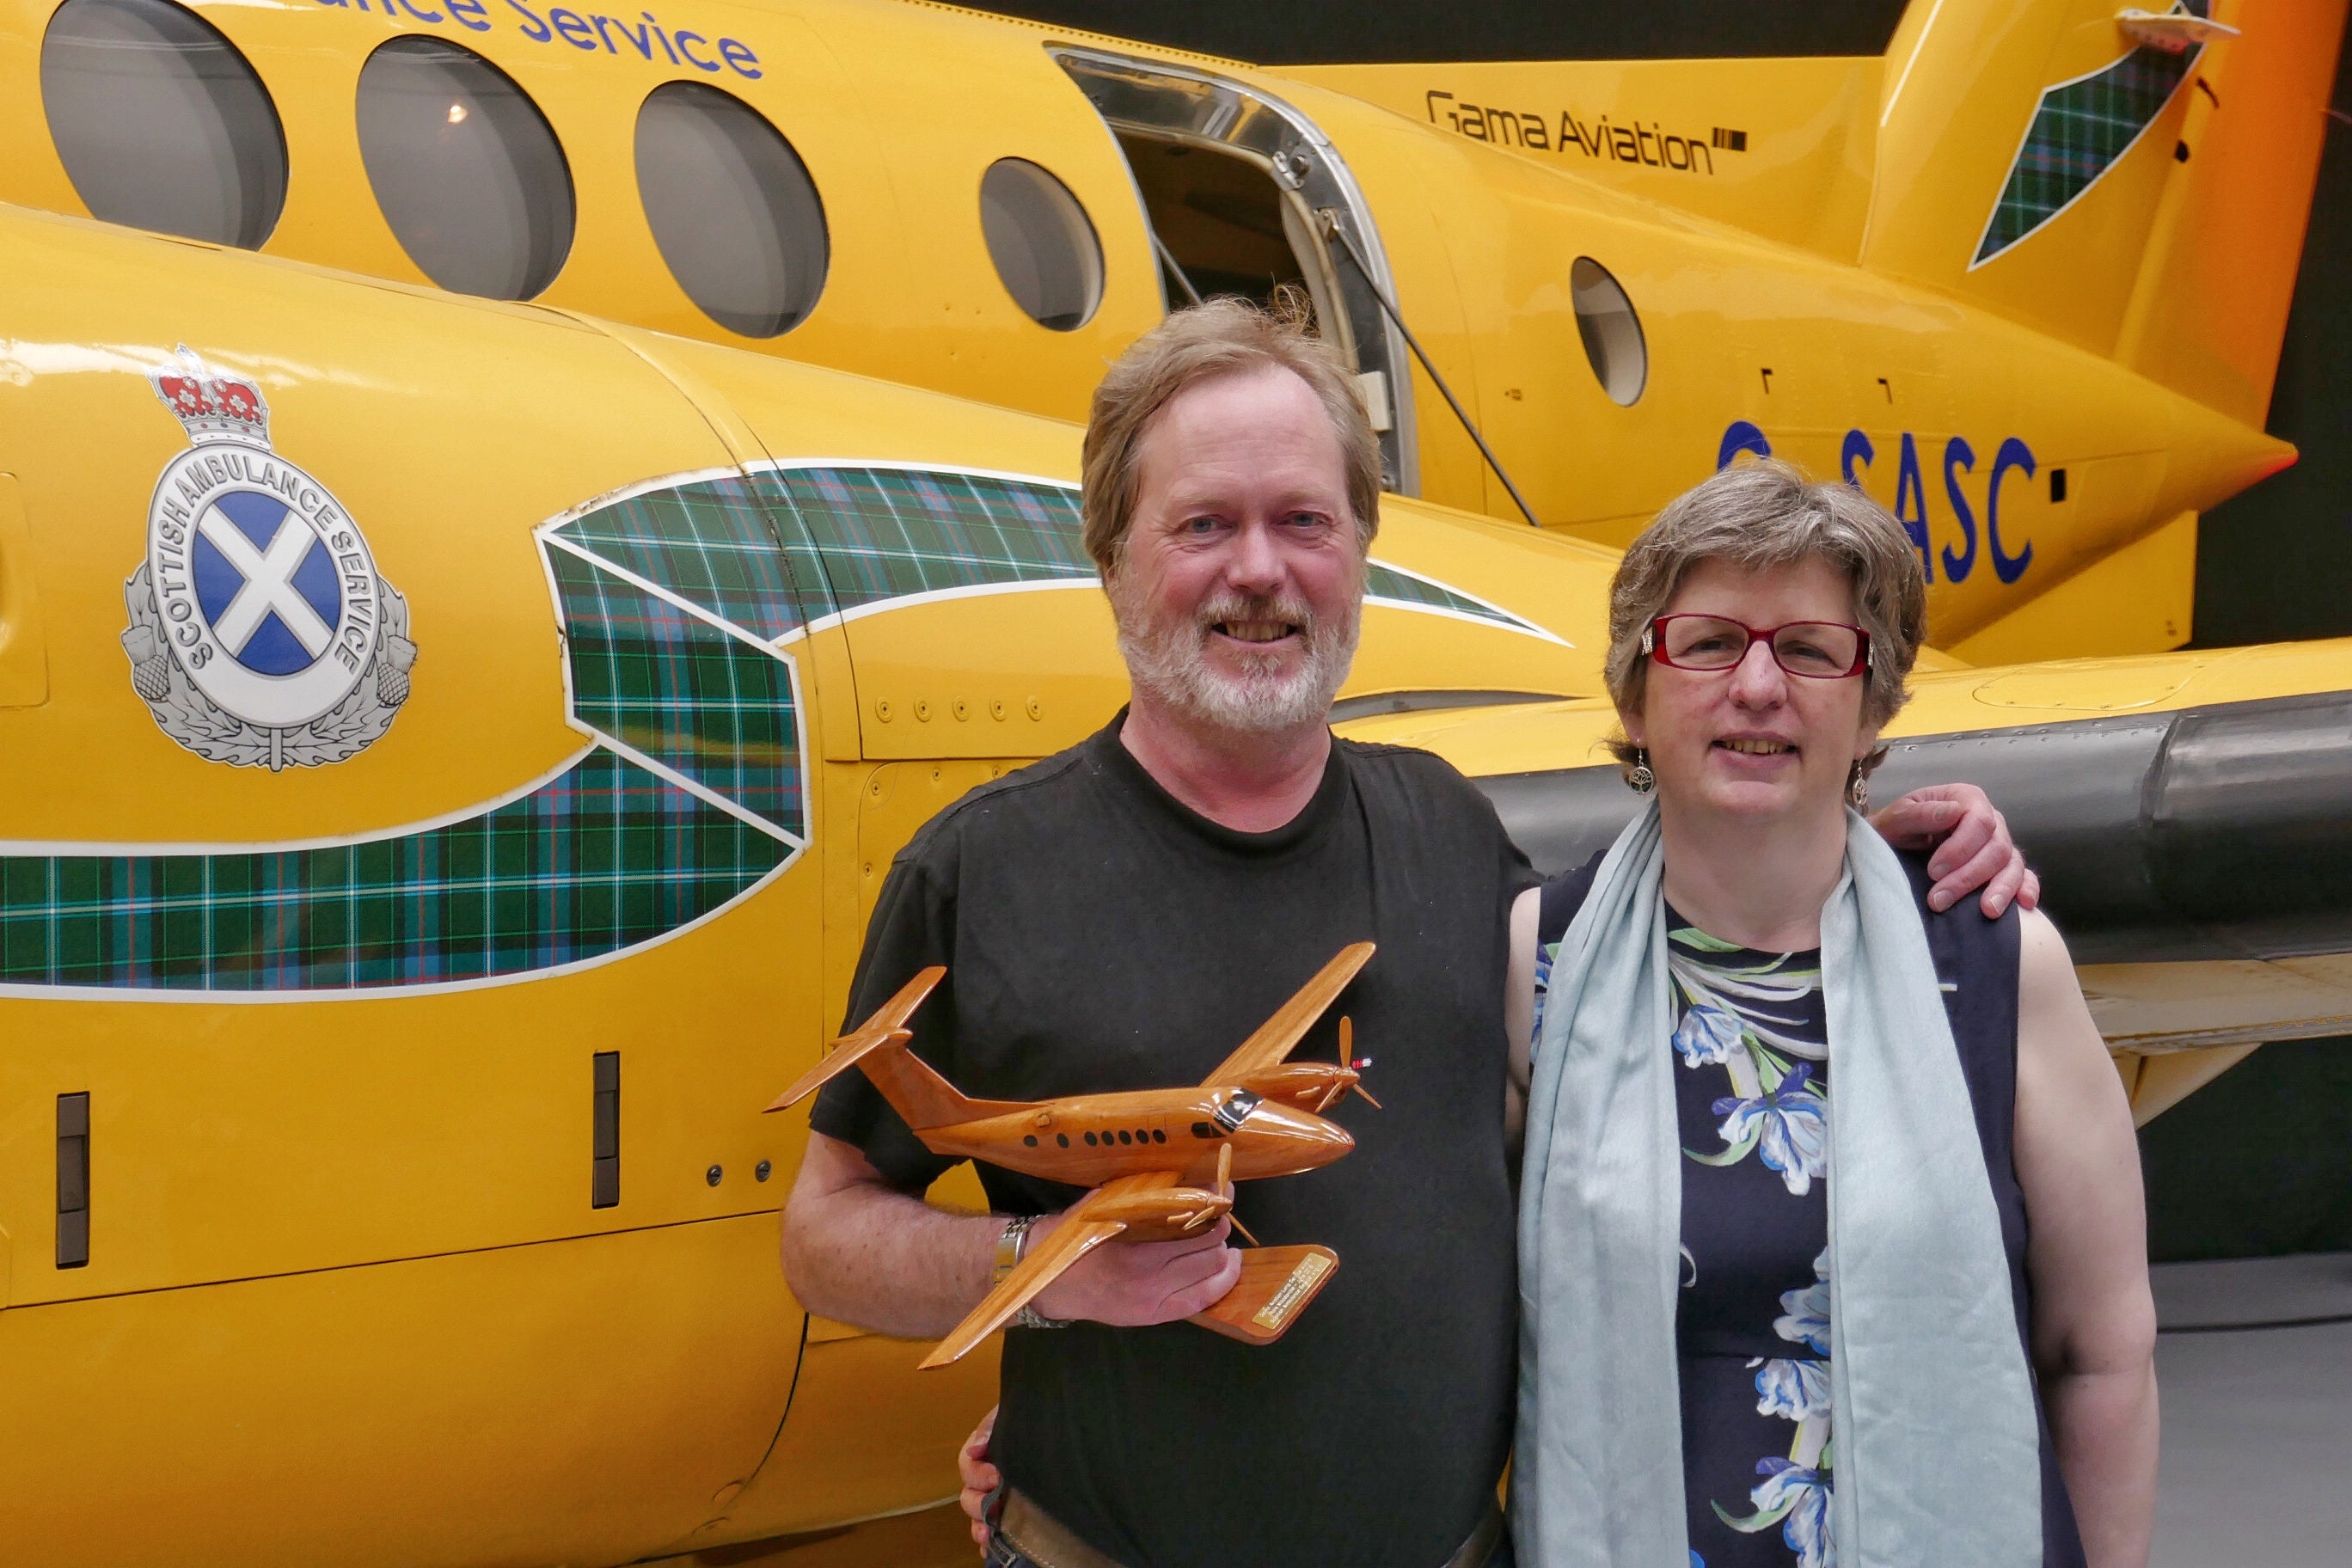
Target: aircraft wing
[(1277, 1034), (1072, 1240)]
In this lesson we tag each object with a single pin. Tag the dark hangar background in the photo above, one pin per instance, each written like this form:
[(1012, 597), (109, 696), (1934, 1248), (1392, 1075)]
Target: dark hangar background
[(2260, 1160)]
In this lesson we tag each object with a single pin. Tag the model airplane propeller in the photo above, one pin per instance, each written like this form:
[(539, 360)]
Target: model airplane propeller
[(1160, 1162)]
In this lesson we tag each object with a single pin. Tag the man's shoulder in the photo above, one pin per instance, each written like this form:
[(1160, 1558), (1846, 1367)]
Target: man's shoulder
[(1421, 781), (1039, 793)]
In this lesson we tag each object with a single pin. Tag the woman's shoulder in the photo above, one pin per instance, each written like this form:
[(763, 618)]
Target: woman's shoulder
[(1963, 939), (1561, 898)]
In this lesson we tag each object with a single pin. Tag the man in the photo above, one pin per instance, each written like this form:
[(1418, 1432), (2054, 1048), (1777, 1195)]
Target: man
[(1121, 916)]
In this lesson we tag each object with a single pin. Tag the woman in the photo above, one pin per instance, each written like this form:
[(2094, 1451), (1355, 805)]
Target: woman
[(1801, 1150)]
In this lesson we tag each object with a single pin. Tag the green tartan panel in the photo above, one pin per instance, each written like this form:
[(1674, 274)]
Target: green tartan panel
[(2079, 131), (675, 688), (888, 533), (713, 543), (602, 857), (1403, 587)]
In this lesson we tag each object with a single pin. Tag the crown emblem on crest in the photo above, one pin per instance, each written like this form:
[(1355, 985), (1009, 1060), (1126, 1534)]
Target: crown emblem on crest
[(213, 405)]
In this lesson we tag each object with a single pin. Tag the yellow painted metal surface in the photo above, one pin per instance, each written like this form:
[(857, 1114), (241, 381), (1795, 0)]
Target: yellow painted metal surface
[(1815, 281), (2154, 1008), (1782, 149), (24, 637), (2140, 599), (578, 1400), (2164, 1081)]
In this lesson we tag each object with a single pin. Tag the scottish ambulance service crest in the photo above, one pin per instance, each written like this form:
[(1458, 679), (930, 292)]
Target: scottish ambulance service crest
[(261, 633)]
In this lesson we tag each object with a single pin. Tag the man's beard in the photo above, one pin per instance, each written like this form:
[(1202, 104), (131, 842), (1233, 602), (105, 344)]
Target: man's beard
[(1169, 659)]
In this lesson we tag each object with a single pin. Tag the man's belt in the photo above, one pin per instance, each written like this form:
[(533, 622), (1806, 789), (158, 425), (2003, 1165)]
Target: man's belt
[(1049, 1543)]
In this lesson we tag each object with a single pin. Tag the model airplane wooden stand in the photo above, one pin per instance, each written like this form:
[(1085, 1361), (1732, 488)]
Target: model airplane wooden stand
[(1161, 1163)]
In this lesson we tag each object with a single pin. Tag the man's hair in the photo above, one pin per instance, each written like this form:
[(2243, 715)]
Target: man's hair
[(1767, 514), (1224, 337)]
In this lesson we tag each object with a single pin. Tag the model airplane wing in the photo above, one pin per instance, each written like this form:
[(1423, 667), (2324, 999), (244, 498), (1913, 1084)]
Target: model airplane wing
[(1076, 1236), (886, 1026), (1277, 1034)]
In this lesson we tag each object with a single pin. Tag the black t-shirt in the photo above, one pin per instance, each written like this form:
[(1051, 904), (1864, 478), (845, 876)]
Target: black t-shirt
[(1100, 936)]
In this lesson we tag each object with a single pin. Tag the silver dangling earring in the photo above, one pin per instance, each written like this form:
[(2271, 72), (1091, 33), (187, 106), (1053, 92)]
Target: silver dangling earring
[(1641, 779), (1858, 791)]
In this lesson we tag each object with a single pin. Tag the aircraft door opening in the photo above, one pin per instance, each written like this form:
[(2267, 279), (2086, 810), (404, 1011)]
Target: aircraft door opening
[(1243, 195)]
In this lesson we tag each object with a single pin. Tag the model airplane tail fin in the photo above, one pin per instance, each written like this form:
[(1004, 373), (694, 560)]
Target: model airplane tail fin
[(2132, 179), (924, 1098), (839, 1057), (879, 1046)]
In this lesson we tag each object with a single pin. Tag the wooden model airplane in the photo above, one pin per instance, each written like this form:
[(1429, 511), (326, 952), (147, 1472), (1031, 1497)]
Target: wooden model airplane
[(1161, 1162)]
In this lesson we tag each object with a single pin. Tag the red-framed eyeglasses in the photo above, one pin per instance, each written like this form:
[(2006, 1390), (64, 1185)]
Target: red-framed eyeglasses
[(1819, 650)]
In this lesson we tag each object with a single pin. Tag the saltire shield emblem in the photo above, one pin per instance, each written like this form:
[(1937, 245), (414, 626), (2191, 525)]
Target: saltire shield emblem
[(261, 633)]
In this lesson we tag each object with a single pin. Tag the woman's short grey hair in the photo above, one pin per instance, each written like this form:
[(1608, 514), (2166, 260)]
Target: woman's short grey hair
[(1767, 514)]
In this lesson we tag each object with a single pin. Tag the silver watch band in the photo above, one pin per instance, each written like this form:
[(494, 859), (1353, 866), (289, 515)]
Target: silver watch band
[(1012, 1246)]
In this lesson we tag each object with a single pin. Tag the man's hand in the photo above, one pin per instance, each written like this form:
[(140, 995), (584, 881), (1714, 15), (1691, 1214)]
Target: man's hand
[(1972, 845), (1135, 1283), (979, 1478)]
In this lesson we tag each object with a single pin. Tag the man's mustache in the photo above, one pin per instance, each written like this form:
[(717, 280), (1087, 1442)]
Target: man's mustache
[(1236, 608)]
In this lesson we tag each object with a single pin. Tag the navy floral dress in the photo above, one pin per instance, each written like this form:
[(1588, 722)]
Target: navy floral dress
[(1752, 1333), (1752, 1329)]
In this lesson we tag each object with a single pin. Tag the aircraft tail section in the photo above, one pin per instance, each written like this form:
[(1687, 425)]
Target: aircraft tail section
[(879, 1046), (924, 1098), (2132, 180), (2210, 309)]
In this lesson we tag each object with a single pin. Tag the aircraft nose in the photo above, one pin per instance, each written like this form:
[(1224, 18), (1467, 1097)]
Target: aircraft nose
[(1317, 1141)]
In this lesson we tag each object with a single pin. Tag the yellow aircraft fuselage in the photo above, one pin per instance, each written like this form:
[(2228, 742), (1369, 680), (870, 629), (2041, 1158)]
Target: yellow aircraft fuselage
[(1809, 281), (429, 1214)]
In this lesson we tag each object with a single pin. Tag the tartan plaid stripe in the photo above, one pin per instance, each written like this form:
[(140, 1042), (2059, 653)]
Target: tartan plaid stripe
[(2079, 131), (886, 533), (676, 689), (712, 543), (1386, 582), (603, 858), (609, 855)]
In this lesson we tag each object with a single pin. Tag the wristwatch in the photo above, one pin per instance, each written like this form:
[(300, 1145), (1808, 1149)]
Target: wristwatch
[(1012, 1245)]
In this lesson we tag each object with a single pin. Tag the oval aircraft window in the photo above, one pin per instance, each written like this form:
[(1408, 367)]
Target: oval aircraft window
[(1612, 332), (160, 123), (732, 208), (1044, 246), (465, 168)]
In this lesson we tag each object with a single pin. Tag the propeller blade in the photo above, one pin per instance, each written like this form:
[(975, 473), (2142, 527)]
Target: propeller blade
[(1347, 1059), (1226, 1189)]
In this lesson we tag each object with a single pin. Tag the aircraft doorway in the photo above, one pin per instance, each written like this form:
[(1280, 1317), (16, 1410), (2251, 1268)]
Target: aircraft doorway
[(1228, 228), (1244, 196)]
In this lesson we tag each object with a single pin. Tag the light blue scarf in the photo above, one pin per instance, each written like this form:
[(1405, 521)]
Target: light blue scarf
[(1935, 1441)]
